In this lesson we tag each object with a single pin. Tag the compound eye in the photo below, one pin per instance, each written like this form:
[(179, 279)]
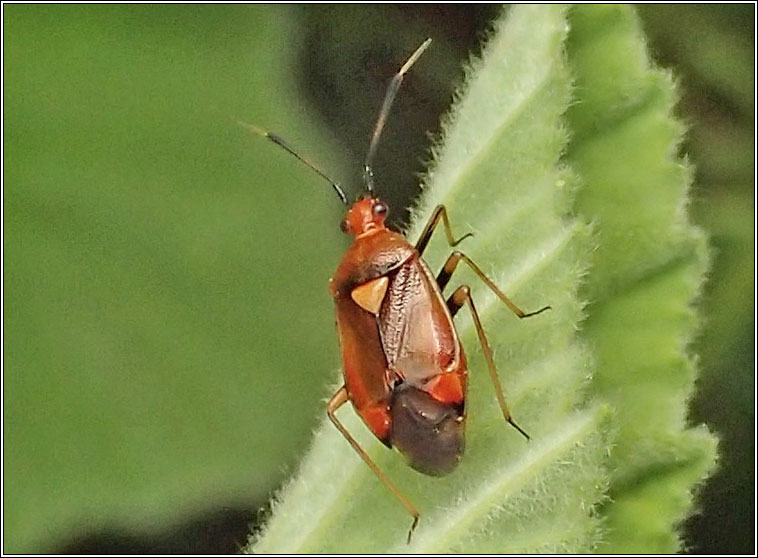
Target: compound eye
[(379, 209), (344, 226)]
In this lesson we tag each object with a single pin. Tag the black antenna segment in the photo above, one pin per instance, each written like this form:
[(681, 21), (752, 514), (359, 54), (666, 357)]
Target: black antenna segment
[(283, 144)]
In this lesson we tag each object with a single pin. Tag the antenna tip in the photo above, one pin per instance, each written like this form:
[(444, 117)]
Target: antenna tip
[(423, 47), (252, 128)]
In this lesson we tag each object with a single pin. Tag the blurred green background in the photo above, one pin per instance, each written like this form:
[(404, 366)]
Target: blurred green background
[(168, 336)]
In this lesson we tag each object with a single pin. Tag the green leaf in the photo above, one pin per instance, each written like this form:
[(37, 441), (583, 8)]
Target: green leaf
[(149, 289), (647, 270), (497, 169)]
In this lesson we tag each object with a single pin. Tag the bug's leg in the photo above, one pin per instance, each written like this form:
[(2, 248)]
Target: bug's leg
[(461, 296), (368, 174), (439, 213), (339, 399), (452, 262)]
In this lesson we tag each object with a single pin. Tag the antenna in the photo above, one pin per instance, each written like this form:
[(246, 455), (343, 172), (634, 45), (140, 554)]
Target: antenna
[(368, 174), (283, 144)]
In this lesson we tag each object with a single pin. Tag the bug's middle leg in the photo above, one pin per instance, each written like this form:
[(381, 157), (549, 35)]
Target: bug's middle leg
[(447, 272)]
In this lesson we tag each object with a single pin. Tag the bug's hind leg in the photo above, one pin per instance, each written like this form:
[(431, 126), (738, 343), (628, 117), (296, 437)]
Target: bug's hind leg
[(339, 399), (461, 296)]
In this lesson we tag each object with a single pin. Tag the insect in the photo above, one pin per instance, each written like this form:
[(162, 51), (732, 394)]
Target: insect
[(405, 370)]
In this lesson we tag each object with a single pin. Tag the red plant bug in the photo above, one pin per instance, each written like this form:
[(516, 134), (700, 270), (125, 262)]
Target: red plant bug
[(405, 370)]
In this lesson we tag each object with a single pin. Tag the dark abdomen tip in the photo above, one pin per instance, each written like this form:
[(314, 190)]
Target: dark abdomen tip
[(428, 433)]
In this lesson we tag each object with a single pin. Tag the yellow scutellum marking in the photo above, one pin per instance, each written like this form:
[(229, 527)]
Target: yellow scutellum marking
[(369, 296)]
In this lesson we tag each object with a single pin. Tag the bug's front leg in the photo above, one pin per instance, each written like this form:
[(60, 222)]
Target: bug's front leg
[(439, 213)]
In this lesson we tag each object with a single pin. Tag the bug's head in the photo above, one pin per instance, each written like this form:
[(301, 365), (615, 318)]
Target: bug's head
[(365, 215)]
